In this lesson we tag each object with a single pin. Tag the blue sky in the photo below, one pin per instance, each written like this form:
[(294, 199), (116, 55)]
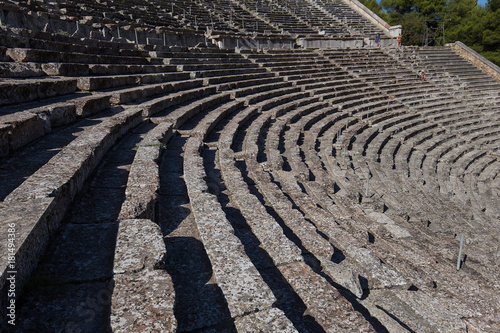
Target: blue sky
[(481, 2)]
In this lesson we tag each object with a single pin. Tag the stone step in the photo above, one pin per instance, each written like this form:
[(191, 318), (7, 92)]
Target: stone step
[(242, 285), (46, 56), (56, 184), (17, 91), (96, 83), (141, 196), (21, 128), (78, 69), (139, 252), (159, 104)]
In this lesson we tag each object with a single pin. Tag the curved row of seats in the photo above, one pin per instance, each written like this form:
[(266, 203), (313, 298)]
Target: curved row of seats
[(446, 68), (296, 158), (336, 18), (245, 176)]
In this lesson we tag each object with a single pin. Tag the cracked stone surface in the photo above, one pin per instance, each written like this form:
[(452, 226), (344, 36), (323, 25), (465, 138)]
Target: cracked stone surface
[(139, 246), (143, 302)]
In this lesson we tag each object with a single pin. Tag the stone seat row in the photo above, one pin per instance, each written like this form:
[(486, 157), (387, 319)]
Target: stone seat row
[(75, 182), (195, 15), (431, 162), (254, 136), (337, 153), (229, 172), (435, 97), (231, 289), (146, 85), (155, 105), (262, 103), (233, 285), (450, 69), (465, 118)]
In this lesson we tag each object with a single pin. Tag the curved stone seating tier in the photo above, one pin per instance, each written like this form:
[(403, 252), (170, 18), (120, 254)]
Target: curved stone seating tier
[(239, 16), (75, 183), (207, 189), (213, 228), (375, 171), (57, 183), (430, 102), (308, 18), (314, 16), (45, 115), (431, 127), (348, 16), (254, 135), (446, 68), (288, 268), (257, 213), (480, 183), (274, 146), (139, 202), (40, 118), (431, 162), (23, 38), (392, 154)]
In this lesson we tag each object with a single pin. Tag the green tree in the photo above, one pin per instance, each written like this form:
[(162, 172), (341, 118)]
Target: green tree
[(413, 29), (463, 21), (493, 5), (446, 20), (491, 36), (375, 7), (415, 16)]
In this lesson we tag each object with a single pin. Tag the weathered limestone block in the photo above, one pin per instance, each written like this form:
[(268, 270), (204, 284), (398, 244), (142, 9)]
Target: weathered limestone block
[(414, 309), (438, 316), (23, 91), (65, 69), (32, 55), (16, 69), (214, 118), (63, 176), (143, 302), (380, 275), (24, 128), (324, 303), (105, 82), (181, 115), (139, 246), (144, 171), (159, 104), (58, 114), (27, 226), (123, 96), (391, 226), (239, 280), (344, 276), (272, 320), (144, 178), (143, 295), (265, 228), (139, 203), (60, 177), (90, 105)]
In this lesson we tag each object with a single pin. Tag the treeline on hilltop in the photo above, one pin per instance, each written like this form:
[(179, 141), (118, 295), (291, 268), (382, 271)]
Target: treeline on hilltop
[(436, 22)]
